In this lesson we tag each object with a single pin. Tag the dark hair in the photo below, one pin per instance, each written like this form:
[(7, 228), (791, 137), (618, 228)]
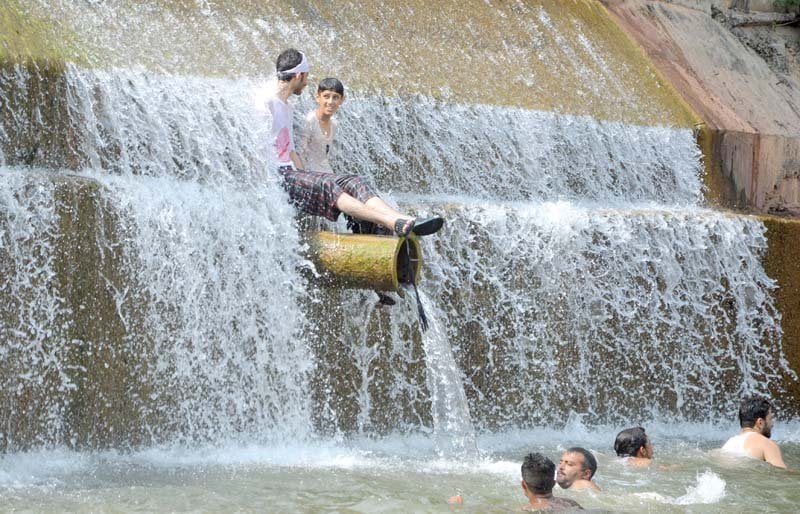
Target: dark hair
[(752, 408), (538, 473), (589, 462), (287, 60), (331, 84), (629, 441)]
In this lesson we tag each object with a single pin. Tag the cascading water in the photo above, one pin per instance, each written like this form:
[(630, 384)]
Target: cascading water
[(33, 367), (159, 299), (453, 429), (583, 244), (206, 244)]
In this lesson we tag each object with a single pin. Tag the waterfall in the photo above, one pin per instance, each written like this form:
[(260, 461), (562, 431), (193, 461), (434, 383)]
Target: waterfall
[(32, 366), (578, 270), (453, 428), (581, 310)]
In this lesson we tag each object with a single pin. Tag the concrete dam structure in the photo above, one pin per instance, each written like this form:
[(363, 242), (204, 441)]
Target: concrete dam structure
[(155, 283)]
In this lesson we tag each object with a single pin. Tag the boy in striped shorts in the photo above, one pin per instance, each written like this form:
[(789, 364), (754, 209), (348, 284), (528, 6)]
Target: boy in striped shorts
[(322, 193)]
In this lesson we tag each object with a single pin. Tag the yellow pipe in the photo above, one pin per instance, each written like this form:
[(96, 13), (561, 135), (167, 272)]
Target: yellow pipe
[(361, 261)]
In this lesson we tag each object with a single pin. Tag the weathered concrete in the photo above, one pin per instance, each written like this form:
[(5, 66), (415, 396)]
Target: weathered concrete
[(782, 263), (611, 79), (743, 5), (751, 114), (529, 52), (94, 382)]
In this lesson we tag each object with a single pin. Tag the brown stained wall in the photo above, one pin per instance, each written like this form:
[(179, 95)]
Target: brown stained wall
[(388, 48), (35, 127), (782, 262), (103, 406), (751, 137), (106, 409)]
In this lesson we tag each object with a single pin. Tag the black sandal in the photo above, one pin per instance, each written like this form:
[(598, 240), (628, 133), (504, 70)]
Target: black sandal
[(428, 226), (403, 226)]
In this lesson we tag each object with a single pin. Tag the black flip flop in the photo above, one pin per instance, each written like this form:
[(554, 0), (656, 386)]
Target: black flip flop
[(427, 226), (403, 226)]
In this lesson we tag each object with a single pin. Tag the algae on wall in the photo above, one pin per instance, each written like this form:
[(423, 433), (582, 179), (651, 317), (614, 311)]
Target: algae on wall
[(782, 262), (61, 319), (552, 55), (35, 129), (26, 33)]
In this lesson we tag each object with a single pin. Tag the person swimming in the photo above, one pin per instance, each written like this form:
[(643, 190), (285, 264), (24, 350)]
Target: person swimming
[(634, 444), (756, 417)]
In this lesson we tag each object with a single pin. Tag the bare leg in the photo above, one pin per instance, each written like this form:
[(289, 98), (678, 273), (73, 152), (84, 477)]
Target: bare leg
[(349, 205), (379, 205)]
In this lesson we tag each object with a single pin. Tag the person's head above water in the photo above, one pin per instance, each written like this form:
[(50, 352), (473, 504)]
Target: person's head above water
[(756, 412), (329, 97), (576, 464), (633, 442), (538, 473)]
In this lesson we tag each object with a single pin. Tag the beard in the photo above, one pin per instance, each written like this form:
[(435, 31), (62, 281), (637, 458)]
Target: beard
[(767, 432)]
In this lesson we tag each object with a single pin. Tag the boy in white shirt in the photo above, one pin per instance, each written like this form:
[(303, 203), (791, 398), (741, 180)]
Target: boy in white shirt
[(323, 193), (316, 139), (319, 129)]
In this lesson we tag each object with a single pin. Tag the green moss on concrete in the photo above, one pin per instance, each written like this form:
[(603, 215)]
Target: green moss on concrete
[(108, 409), (27, 35), (566, 56), (782, 263)]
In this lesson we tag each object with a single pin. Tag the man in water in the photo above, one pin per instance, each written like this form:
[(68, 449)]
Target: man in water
[(634, 444), (576, 469), (537, 483), (756, 417)]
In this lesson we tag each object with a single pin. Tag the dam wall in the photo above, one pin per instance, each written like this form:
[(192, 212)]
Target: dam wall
[(155, 281)]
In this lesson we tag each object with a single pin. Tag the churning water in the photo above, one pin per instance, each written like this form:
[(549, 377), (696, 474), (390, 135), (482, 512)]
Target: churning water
[(578, 284)]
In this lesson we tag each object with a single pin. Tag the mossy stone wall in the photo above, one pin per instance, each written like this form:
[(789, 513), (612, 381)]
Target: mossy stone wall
[(782, 263)]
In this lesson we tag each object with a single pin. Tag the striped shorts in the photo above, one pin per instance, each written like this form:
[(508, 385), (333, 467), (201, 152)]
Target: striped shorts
[(316, 192)]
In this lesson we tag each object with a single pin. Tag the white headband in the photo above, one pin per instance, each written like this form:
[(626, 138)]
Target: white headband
[(300, 68)]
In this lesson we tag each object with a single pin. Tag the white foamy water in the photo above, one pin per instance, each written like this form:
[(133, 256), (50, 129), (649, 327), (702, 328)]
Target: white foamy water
[(710, 488), (452, 424), (380, 472), (578, 271)]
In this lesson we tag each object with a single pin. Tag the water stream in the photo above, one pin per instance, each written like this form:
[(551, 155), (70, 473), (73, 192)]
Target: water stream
[(579, 285)]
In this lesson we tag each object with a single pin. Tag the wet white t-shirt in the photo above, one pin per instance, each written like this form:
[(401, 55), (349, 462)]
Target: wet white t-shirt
[(282, 130), (314, 145)]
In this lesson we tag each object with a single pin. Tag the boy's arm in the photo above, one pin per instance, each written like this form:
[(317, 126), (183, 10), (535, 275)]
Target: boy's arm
[(303, 142), (296, 160)]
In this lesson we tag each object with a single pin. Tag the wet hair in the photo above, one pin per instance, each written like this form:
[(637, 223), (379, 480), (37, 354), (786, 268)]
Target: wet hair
[(287, 60), (752, 408), (538, 473), (589, 462), (331, 84), (629, 441)]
